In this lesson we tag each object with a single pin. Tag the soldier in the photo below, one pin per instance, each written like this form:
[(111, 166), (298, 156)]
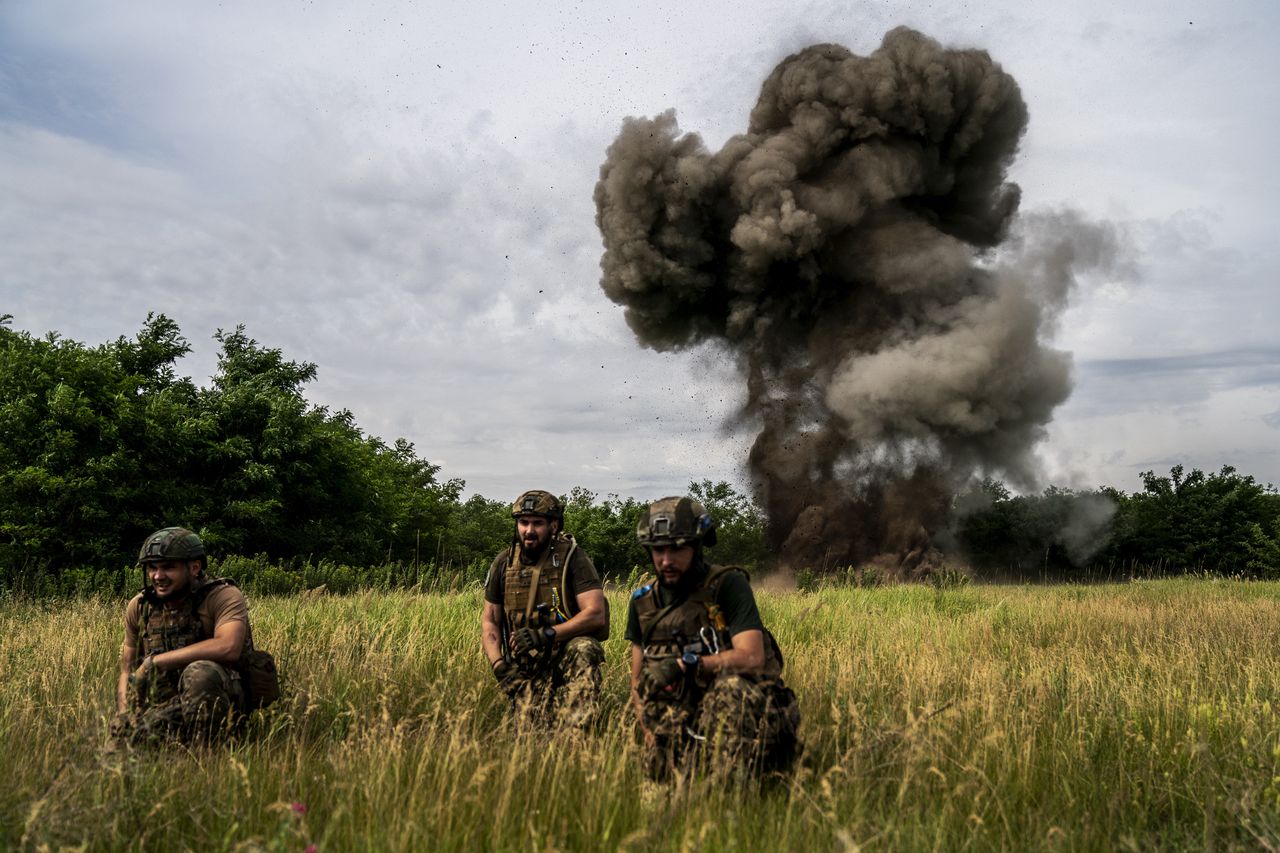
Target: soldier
[(705, 673), (544, 618), (186, 640)]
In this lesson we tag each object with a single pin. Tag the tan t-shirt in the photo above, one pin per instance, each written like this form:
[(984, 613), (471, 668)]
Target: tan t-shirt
[(225, 603)]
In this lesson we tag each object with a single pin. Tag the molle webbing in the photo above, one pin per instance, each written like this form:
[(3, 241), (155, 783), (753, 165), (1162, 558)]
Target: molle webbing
[(164, 629), (527, 587), (665, 630)]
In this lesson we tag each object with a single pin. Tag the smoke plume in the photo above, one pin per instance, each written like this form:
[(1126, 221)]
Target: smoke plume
[(845, 252)]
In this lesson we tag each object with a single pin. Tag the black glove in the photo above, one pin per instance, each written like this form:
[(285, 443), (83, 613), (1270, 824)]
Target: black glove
[(532, 640), (507, 675), (660, 675)]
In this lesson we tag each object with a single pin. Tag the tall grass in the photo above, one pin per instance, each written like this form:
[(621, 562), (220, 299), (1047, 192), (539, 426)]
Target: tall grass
[(1138, 716)]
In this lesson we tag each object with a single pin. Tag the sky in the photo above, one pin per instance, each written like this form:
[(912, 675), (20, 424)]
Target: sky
[(402, 194)]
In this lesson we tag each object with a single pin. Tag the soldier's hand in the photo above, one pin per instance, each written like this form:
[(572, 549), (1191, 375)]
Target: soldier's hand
[(144, 670), (530, 640), (119, 724), (660, 676), (507, 675)]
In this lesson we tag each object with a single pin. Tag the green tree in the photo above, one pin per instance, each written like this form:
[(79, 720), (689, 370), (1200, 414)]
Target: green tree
[(605, 529), (78, 424), (740, 524)]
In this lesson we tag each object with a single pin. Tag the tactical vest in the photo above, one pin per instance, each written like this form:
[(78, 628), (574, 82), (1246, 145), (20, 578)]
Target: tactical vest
[(527, 587), (163, 629), (694, 623)]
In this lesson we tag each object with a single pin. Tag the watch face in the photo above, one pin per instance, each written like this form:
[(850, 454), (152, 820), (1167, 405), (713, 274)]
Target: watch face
[(690, 659)]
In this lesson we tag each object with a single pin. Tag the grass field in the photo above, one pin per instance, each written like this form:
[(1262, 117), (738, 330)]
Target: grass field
[(1138, 716)]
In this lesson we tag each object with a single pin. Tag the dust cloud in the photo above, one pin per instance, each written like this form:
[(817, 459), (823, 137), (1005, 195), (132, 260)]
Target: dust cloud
[(858, 253)]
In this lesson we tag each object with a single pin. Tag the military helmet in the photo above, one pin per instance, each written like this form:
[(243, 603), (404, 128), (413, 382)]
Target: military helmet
[(676, 521), (171, 543), (538, 502)]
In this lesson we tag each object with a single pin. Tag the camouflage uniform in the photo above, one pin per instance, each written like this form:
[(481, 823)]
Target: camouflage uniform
[(199, 705), (566, 691), (560, 685), (201, 698), (730, 720), (726, 721)]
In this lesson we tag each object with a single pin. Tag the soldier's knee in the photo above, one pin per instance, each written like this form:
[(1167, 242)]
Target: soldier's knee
[(204, 677), (729, 691), (586, 649)]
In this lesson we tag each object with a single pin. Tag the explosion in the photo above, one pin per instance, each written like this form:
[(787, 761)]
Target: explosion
[(844, 252)]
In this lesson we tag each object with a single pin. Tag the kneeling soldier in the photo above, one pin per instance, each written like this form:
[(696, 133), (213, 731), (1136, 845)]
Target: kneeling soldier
[(544, 618), (186, 642), (705, 673)]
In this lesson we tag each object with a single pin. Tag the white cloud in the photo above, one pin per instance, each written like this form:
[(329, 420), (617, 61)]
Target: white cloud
[(402, 194)]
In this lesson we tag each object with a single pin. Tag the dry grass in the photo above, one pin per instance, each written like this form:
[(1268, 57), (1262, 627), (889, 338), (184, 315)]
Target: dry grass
[(1139, 716)]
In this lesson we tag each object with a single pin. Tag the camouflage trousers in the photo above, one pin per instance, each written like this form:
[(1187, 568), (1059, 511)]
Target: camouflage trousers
[(563, 692), (738, 724), (199, 703)]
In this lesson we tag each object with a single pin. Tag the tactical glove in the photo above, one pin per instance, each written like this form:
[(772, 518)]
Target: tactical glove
[(507, 675), (531, 640), (656, 677)]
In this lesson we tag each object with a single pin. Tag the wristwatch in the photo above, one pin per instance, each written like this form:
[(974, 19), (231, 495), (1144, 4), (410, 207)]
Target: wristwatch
[(550, 634), (691, 662)]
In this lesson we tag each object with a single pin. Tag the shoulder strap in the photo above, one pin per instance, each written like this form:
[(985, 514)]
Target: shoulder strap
[(570, 602), (719, 573), (144, 616), (198, 597), (662, 614)]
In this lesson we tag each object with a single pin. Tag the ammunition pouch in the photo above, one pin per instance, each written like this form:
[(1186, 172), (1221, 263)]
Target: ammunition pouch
[(259, 678)]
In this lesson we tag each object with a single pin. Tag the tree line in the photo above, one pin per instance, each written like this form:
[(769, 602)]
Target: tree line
[(101, 444)]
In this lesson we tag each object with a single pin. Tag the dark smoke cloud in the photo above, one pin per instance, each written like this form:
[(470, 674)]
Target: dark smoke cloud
[(844, 251)]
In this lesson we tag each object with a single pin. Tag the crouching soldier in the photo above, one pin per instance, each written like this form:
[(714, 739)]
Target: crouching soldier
[(705, 673), (544, 618), (187, 666)]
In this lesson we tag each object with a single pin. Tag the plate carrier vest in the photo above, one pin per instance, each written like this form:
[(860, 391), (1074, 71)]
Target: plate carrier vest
[(526, 588), (164, 629), (667, 631)]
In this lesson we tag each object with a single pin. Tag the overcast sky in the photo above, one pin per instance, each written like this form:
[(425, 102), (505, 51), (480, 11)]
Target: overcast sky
[(402, 193)]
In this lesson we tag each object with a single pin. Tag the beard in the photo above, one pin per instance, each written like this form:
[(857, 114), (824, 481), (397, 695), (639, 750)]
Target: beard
[(531, 551), (688, 581)]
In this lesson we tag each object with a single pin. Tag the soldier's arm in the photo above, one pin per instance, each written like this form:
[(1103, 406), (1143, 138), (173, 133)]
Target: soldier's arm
[(637, 664), (746, 656), (491, 631), (127, 654), (589, 618), (223, 647)]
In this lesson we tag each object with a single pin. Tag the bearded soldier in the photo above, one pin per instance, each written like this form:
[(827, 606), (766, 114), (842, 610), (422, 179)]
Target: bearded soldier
[(544, 618), (705, 673), (187, 646)]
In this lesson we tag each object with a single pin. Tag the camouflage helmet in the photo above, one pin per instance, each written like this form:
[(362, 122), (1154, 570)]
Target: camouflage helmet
[(538, 502), (171, 543), (676, 521)]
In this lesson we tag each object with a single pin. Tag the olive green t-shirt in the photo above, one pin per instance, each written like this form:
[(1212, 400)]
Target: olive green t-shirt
[(734, 598), (582, 576)]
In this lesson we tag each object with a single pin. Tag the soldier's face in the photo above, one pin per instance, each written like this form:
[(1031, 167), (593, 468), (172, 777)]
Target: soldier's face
[(534, 532), (172, 578), (671, 562)]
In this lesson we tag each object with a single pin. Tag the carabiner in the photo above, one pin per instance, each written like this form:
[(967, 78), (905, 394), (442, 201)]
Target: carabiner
[(710, 641)]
